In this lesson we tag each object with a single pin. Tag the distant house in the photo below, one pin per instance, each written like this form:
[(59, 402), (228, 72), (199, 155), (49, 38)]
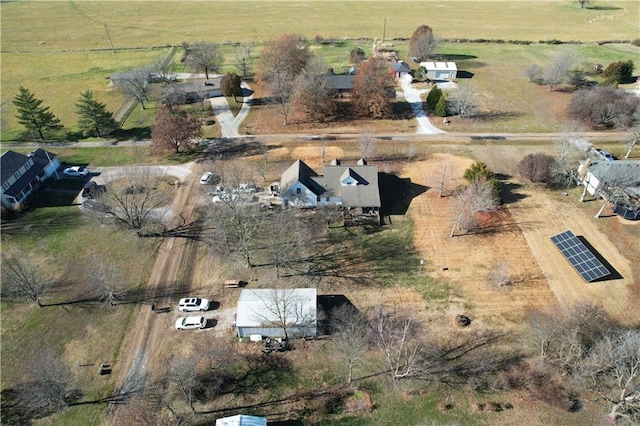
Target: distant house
[(191, 91), (440, 70), (342, 84), (267, 312), (242, 420), (21, 174), (617, 182), (354, 187), (400, 69)]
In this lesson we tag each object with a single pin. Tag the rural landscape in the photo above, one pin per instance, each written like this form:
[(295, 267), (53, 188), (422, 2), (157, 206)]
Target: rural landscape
[(320, 213)]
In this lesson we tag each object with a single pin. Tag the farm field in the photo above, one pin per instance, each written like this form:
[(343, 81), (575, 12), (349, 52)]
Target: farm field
[(80, 25), (58, 62)]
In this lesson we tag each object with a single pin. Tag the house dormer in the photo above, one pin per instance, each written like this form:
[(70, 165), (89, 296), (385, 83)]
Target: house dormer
[(351, 178)]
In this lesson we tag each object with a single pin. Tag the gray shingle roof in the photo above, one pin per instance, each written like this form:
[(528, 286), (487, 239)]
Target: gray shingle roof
[(364, 194), (11, 161), (300, 172)]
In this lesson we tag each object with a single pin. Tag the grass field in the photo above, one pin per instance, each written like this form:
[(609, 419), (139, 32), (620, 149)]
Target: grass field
[(66, 49), (81, 25)]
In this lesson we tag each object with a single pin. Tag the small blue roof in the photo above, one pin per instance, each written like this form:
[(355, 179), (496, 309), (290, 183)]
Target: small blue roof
[(242, 420)]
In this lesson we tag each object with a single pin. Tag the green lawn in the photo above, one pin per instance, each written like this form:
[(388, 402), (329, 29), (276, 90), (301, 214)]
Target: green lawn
[(66, 244)]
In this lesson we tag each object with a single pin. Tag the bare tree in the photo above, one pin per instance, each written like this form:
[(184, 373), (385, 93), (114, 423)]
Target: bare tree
[(282, 246), (135, 84), (501, 274), (478, 197), (463, 101), (535, 73), (583, 3), (612, 370), (444, 172), (285, 309), (395, 336), (630, 123), (243, 60), (203, 57), (22, 278), (134, 204), (313, 94), (50, 388), (366, 143), (558, 70), (349, 335), (107, 281), (183, 378), (412, 150), (239, 225)]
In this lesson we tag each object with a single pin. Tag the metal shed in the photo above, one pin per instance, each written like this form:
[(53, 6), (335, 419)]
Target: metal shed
[(264, 311), (440, 70)]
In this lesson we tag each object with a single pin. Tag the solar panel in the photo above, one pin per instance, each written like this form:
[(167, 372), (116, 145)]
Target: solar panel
[(580, 257)]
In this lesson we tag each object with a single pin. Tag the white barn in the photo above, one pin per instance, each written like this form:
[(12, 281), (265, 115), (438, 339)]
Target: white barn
[(277, 312), (440, 70)]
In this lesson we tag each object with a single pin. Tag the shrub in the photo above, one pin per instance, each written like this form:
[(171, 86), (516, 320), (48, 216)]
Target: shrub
[(433, 98), (420, 74), (536, 167), (618, 72)]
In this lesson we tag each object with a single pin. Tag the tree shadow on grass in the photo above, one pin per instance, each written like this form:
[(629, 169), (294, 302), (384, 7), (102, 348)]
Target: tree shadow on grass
[(508, 190)]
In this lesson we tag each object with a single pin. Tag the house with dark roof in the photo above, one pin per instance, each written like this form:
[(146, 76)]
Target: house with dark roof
[(616, 182), (399, 69), (352, 187), (191, 91), (21, 174)]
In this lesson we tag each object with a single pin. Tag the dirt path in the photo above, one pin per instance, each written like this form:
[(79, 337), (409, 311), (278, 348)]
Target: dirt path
[(137, 362)]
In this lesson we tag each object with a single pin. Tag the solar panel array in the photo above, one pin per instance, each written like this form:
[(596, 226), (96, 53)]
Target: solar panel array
[(580, 257)]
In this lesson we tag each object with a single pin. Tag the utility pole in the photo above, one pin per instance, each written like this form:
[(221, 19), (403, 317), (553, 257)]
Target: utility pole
[(109, 37), (384, 29)]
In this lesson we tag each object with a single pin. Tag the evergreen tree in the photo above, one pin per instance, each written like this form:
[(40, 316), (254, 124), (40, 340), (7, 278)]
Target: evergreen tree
[(32, 115), (441, 106), (433, 97), (94, 117)]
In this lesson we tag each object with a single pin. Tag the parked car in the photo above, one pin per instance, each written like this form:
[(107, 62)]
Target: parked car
[(191, 323), (190, 304), (76, 171), (606, 155), (206, 178)]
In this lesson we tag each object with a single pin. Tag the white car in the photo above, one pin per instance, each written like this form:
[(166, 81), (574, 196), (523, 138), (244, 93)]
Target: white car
[(76, 171), (191, 323), (206, 178), (606, 155), (190, 304)]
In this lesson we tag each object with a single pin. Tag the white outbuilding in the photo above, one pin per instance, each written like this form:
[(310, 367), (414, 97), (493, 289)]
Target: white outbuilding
[(440, 70), (277, 313)]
